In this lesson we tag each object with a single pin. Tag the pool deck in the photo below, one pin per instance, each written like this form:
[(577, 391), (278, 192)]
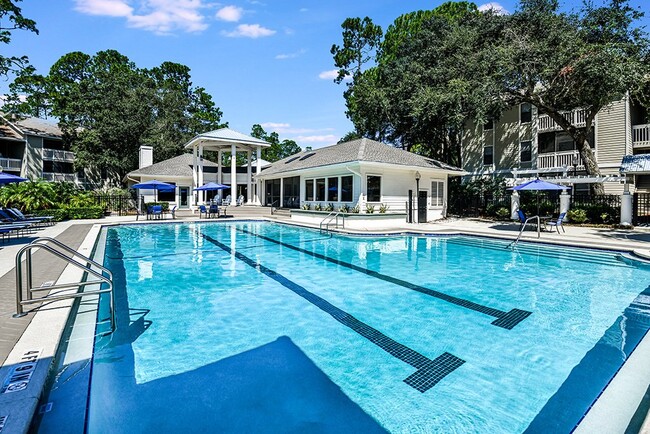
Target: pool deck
[(608, 414)]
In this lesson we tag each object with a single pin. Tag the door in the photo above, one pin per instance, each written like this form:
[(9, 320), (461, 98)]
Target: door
[(184, 193), (422, 206)]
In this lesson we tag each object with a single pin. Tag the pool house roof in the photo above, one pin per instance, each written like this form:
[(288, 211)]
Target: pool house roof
[(224, 138), (360, 150), (180, 166)]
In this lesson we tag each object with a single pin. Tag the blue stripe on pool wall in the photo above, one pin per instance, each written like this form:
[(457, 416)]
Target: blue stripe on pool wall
[(429, 372), (507, 320)]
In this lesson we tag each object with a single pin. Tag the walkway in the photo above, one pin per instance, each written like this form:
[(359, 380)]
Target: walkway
[(46, 268)]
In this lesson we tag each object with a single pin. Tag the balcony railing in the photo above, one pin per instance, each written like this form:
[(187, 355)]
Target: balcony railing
[(58, 155), (559, 159), (641, 136), (10, 163), (68, 177), (577, 118)]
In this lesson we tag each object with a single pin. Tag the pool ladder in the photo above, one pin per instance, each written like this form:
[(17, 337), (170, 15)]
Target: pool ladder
[(332, 217), (521, 231), (86, 264)]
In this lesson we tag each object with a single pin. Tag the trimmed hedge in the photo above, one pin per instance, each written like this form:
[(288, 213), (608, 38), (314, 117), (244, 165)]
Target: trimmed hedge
[(91, 212), (165, 205)]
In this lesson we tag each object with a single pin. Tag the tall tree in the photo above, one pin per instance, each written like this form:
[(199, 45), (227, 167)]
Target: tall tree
[(12, 19), (360, 38), (278, 150)]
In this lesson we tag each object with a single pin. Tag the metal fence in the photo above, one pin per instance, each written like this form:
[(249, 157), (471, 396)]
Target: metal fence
[(641, 209), (115, 204)]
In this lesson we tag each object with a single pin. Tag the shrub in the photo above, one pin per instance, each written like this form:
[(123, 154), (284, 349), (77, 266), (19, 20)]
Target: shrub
[(165, 205), (370, 208), (577, 215), (90, 212), (344, 208), (329, 207), (383, 208), (355, 209), (57, 214), (306, 206), (503, 213), (318, 207)]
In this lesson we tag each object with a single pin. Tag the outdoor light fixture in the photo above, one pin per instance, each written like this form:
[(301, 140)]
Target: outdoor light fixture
[(417, 192), (574, 163), (417, 176)]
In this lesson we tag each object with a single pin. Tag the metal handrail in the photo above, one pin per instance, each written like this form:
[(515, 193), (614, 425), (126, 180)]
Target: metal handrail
[(523, 227), (41, 243), (273, 208), (331, 216)]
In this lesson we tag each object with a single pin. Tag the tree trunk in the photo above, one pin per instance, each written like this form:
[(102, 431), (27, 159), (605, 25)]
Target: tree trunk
[(589, 160)]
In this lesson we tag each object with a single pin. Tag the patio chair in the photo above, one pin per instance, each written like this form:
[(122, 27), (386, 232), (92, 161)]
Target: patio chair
[(173, 211), (226, 201), (557, 223), (203, 211), (157, 211), (240, 200), (522, 219), (214, 210), (22, 217)]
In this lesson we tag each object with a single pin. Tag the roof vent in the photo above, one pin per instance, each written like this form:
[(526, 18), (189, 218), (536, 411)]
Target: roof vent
[(308, 148), (291, 159), (307, 156)]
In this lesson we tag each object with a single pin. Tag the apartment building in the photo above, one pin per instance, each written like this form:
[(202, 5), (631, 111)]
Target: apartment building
[(34, 148), (523, 143)]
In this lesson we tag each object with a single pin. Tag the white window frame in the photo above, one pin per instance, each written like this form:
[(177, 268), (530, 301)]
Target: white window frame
[(341, 189), (531, 150), (483, 156), (437, 185), (381, 187), (531, 113)]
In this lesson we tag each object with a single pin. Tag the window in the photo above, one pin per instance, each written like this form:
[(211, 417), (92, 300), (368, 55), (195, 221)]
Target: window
[(525, 154), (564, 143), (373, 185), (320, 189), (333, 189), (488, 155), (546, 143), (167, 195), (437, 192), (525, 113), (489, 125), (309, 189), (346, 189)]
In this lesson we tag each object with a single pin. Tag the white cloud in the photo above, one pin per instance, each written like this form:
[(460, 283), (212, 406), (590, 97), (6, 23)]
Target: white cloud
[(331, 75), (274, 125), (158, 16), (327, 139), (285, 128), (494, 6), (230, 13), (291, 55), (303, 9), (249, 31)]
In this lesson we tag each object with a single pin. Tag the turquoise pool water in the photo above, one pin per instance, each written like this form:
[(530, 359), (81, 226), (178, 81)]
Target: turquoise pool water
[(261, 327)]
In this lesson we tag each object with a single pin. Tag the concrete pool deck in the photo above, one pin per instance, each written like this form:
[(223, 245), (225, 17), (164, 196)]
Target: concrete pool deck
[(609, 414)]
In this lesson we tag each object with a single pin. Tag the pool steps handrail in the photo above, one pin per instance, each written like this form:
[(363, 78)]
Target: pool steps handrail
[(42, 243), (332, 216), (523, 227)]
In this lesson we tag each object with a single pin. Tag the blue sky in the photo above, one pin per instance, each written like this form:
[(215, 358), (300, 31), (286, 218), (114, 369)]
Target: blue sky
[(265, 62)]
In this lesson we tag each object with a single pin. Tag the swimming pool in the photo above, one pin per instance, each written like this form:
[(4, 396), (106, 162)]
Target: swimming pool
[(263, 327)]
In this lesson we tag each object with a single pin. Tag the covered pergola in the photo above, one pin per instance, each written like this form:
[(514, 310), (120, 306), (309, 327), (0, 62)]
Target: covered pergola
[(230, 141)]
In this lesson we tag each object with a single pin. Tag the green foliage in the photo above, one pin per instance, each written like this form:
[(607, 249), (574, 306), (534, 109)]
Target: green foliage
[(278, 150), (370, 208), (329, 207), (306, 206), (577, 215), (107, 107), (71, 212), (352, 135), (318, 207), (345, 208), (360, 38), (383, 208), (355, 209), (57, 214), (502, 213), (28, 196), (11, 18)]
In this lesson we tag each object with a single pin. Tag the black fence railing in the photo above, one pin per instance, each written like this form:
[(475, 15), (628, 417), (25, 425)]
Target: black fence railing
[(641, 209), (115, 204)]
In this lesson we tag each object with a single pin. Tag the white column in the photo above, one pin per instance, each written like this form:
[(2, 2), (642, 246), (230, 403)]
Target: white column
[(219, 172), (565, 201), (195, 178), (233, 173), (201, 172), (249, 176), (258, 169), (281, 193), (626, 207), (514, 205)]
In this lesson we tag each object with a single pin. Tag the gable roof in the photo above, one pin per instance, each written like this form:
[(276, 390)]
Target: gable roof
[(224, 137), (176, 166), (364, 150), (39, 127), (635, 164)]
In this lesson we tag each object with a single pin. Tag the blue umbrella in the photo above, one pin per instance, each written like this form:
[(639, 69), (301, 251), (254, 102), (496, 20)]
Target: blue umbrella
[(8, 178), (155, 185), (537, 185), (211, 186)]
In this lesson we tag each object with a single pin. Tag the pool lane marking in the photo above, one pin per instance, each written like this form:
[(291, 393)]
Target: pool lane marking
[(429, 372), (507, 320)]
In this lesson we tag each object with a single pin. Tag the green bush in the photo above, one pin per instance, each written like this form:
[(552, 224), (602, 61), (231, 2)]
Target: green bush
[(503, 213), (165, 205), (370, 208), (577, 215), (383, 208), (57, 214), (306, 206), (329, 207), (344, 208), (90, 212)]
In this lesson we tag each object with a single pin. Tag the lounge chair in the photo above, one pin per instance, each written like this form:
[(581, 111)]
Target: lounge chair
[(227, 200), (157, 211), (10, 216), (202, 211), (557, 223), (523, 218), (214, 210), (240, 200), (23, 217), (173, 211)]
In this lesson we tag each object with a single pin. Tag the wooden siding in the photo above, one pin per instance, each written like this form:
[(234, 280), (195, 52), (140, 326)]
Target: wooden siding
[(611, 133)]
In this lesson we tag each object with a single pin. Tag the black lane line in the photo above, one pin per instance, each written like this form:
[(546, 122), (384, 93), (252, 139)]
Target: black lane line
[(506, 320), (429, 372)]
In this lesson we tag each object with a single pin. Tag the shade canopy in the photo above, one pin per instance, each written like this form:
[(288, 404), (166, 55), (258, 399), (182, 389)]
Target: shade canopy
[(155, 185), (8, 178), (209, 186), (538, 184)]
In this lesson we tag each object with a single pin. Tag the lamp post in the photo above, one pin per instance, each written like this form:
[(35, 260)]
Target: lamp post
[(417, 193)]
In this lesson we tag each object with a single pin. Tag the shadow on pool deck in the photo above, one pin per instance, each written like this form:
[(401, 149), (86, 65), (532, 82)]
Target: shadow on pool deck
[(269, 389)]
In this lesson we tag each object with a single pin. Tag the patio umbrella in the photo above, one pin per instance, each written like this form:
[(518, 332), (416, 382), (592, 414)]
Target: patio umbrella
[(537, 185), (8, 178), (155, 185), (209, 186)]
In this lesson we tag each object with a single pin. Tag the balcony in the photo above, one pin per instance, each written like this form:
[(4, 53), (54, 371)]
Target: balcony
[(10, 163), (556, 160), (68, 177), (578, 118), (58, 155), (641, 136)]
